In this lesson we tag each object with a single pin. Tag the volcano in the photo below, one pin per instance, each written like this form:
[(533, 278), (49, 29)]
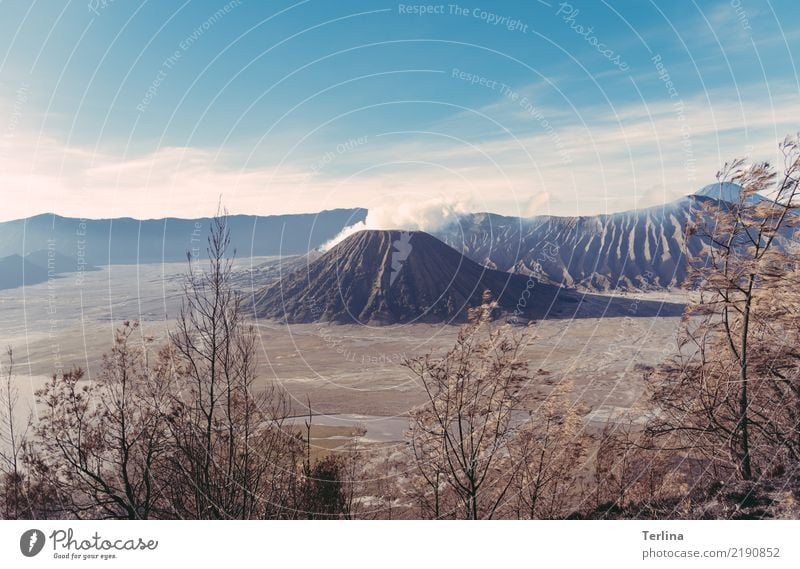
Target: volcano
[(387, 277), (391, 277)]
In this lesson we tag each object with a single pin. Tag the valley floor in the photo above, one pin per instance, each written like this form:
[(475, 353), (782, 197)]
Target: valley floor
[(352, 374)]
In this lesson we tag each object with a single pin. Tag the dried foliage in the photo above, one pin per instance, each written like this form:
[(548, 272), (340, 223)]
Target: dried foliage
[(478, 453), (102, 444), (634, 474), (550, 449), (732, 394)]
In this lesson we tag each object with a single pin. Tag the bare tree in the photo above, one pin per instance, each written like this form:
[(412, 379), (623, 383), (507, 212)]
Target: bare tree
[(234, 458), (733, 393), (102, 445), (462, 437), (550, 450), (429, 488), (13, 437)]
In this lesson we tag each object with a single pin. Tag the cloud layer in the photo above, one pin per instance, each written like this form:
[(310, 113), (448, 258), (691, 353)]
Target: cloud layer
[(621, 158)]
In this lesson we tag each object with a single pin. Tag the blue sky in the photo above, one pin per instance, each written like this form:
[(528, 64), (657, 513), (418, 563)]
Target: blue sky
[(144, 109)]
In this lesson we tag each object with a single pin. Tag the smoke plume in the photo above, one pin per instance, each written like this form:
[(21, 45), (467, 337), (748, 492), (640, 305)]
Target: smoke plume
[(431, 215)]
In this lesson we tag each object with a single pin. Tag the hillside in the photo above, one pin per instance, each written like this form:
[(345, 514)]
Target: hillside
[(638, 249)]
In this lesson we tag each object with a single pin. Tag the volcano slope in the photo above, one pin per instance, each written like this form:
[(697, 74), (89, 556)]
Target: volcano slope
[(637, 250), (399, 277)]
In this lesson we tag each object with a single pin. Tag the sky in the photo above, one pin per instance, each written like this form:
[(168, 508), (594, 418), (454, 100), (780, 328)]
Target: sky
[(116, 108)]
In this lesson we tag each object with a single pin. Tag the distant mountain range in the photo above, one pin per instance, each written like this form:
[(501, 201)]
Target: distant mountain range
[(127, 241), (390, 277), (31, 247), (640, 249), (643, 249)]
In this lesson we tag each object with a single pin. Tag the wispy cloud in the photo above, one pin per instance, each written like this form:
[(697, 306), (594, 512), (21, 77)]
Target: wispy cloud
[(600, 159)]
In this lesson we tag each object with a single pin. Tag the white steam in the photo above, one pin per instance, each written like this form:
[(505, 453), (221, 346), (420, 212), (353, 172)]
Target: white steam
[(430, 215)]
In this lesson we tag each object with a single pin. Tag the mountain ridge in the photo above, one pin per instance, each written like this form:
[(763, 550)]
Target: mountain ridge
[(127, 240), (636, 250), (382, 277), (641, 249)]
